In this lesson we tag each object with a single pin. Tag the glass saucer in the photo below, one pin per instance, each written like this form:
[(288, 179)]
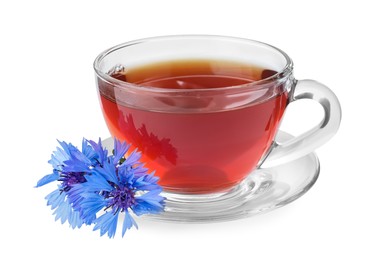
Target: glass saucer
[(263, 190)]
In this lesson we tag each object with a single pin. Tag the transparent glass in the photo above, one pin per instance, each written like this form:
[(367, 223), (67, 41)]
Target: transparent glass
[(232, 129)]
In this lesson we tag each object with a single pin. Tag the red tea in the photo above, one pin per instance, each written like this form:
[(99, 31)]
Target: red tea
[(195, 151)]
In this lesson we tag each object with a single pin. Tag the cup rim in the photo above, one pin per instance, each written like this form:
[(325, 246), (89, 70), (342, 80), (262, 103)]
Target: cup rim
[(256, 85)]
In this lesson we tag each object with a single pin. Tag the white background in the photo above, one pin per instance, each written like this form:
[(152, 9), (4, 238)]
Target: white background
[(48, 92)]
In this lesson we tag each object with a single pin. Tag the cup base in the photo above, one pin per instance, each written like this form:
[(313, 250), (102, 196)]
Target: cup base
[(263, 190)]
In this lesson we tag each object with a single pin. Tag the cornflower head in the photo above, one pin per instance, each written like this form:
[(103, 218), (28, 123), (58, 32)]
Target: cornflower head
[(70, 165)]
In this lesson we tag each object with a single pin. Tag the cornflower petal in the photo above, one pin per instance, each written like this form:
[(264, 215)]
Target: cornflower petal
[(85, 199), (107, 223), (55, 198), (152, 197), (47, 179), (88, 151), (95, 182), (91, 206), (102, 153), (140, 171), (153, 194), (120, 150), (132, 159), (149, 203), (75, 165), (57, 159), (128, 223), (66, 153), (126, 174), (77, 221), (61, 154), (63, 210), (107, 171), (67, 147), (151, 178), (147, 182)]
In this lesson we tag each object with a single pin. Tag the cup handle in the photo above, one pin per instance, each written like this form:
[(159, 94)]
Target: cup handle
[(307, 142)]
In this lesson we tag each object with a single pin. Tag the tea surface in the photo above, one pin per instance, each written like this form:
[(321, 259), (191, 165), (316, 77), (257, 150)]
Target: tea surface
[(192, 74)]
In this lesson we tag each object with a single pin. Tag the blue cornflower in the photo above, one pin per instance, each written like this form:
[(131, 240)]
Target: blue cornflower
[(115, 187), (91, 180), (63, 161)]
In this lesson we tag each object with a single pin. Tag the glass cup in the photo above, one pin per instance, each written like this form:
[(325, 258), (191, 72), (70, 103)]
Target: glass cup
[(203, 141)]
